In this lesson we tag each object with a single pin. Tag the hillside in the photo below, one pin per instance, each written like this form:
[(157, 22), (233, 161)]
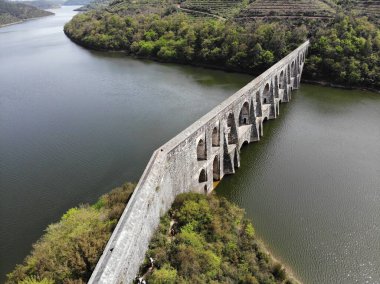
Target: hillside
[(287, 9), (370, 8), (16, 12), (241, 36), (42, 4), (263, 8), (95, 4), (206, 239), (224, 8), (76, 2), (70, 248)]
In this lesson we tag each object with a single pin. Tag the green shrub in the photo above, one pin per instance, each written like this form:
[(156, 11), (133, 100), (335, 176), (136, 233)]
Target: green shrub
[(344, 50), (212, 243), (69, 250)]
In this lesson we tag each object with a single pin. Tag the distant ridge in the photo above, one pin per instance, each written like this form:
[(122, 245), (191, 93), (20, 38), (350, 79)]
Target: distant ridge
[(11, 13), (76, 2)]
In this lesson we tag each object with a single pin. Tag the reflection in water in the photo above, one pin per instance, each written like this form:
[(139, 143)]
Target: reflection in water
[(311, 185), (74, 123)]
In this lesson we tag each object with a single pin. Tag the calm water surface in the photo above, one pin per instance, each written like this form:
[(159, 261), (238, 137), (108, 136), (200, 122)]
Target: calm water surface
[(75, 123), (312, 185)]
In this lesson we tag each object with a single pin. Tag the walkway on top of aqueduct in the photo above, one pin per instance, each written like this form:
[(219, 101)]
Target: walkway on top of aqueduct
[(195, 158)]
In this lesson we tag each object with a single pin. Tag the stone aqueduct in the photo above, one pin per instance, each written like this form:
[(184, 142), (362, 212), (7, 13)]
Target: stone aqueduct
[(191, 161)]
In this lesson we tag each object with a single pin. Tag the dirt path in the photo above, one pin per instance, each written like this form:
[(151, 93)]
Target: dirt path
[(201, 13)]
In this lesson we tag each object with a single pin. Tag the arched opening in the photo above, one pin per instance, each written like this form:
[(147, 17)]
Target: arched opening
[(266, 90), (216, 169), (266, 94), (244, 143), (281, 85), (201, 150), (215, 137), (260, 130), (258, 105), (231, 126), (236, 159), (276, 84), (293, 69), (202, 176), (244, 114)]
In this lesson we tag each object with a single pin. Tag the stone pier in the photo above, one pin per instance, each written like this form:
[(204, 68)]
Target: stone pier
[(195, 158)]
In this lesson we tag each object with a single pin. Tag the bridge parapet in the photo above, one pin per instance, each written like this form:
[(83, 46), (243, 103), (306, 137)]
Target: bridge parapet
[(202, 153)]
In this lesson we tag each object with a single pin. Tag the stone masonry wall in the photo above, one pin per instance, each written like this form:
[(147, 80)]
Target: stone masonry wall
[(195, 158)]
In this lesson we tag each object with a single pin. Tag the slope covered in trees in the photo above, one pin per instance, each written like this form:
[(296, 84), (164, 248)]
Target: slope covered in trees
[(16, 12), (369, 8), (69, 250), (345, 48), (76, 2), (43, 4), (206, 239), (180, 38)]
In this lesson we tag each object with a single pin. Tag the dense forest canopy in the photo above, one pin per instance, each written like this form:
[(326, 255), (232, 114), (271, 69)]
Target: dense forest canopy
[(345, 46), (206, 239), (69, 250)]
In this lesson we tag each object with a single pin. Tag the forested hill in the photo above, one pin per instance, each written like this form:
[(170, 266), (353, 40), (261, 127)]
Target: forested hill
[(16, 12), (242, 35), (76, 2), (43, 4)]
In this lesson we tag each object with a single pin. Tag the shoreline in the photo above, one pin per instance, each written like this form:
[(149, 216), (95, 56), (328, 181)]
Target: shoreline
[(338, 86), (26, 20), (232, 70), (286, 266), (264, 246), (221, 68)]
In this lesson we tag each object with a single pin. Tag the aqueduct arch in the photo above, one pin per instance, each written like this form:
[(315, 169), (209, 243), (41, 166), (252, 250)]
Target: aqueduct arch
[(173, 169), (232, 134), (282, 80), (216, 168), (215, 137), (201, 150), (258, 104), (202, 176), (266, 93), (244, 114)]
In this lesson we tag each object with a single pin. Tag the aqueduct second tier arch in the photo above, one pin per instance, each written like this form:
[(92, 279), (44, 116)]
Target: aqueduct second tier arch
[(201, 154)]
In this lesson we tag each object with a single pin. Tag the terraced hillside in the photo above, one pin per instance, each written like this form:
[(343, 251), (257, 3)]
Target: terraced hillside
[(226, 8), (133, 7), (287, 9), (370, 8)]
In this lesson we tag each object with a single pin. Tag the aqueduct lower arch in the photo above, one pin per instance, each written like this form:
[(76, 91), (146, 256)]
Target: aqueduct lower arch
[(188, 161)]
